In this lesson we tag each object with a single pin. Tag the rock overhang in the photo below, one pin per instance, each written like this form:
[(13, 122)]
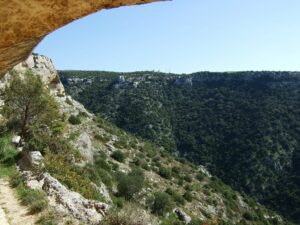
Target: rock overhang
[(24, 23)]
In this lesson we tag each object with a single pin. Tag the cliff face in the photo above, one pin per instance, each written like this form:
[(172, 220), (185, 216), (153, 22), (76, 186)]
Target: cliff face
[(44, 68), (23, 23)]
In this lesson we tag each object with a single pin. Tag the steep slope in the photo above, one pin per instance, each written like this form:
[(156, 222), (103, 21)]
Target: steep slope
[(243, 126)]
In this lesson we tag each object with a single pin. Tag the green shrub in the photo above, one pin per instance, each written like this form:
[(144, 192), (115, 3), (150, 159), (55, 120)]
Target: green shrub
[(47, 219), (165, 173), (172, 219), (188, 178), (131, 183), (200, 176), (82, 115), (7, 171), (101, 138), (118, 155), (178, 198), (105, 177), (35, 199), (162, 203), (123, 218), (249, 216), (16, 180), (101, 163), (74, 120), (196, 222), (176, 170), (119, 201), (8, 152), (75, 178), (188, 196)]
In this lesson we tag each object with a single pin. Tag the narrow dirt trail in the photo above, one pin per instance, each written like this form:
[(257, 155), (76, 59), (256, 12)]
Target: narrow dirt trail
[(11, 210), (3, 220)]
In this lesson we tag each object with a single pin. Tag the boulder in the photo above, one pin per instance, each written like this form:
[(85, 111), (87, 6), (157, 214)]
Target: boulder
[(16, 139), (33, 158), (84, 145), (183, 216), (86, 211)]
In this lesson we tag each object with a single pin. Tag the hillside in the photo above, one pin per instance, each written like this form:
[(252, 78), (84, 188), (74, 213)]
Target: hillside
[(244, 127), (77, 168)]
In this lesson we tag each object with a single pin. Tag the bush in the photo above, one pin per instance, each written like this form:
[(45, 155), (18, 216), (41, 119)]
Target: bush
[(249, 216), (101, 163), (172, 219), (8, 152), (101, 138), (196, 222), (130, 184), (36, 200), (127, 216), (165, 172), (176, 170), (74, 120), (188, 196), (200, 176), (178, 198), (162, 204), (47, 219), (188, 179), (118, 155), (74, 177)]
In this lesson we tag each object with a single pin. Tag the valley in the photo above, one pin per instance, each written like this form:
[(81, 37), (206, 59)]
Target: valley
[(243, 126)]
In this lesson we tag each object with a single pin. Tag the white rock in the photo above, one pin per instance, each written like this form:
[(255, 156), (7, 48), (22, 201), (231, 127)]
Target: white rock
[(103, 191), (16, 139), (32, 158), (87, 211), (182, 215), (84, 145)]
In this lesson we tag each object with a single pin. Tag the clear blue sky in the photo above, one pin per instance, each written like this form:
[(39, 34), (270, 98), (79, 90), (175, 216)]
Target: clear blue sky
[(182, 36)]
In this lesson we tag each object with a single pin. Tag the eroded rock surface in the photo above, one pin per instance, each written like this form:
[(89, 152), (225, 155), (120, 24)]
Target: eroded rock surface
[(23, 23), (87, 211), (41, 66)]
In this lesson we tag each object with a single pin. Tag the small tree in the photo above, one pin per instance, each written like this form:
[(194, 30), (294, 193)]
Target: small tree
[(28, 107), (118, 155), (131, 184), (165, 173), (162, 203)]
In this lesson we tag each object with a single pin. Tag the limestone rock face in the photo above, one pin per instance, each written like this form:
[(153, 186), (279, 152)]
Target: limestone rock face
[(35, 157), (87, 211), (183, 216), (84, 145), (44, 68), (23, 23)]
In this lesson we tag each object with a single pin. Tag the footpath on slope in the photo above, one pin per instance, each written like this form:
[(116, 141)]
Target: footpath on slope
[(11, 210)]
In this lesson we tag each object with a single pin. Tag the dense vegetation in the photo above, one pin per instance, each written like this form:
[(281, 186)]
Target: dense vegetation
[(243, 126)]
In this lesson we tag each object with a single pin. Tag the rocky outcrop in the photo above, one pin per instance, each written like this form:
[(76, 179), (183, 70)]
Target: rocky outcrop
[(43, 67), (34, 158), (23, 23), (84, 145), (87, 211), (185, 218)]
